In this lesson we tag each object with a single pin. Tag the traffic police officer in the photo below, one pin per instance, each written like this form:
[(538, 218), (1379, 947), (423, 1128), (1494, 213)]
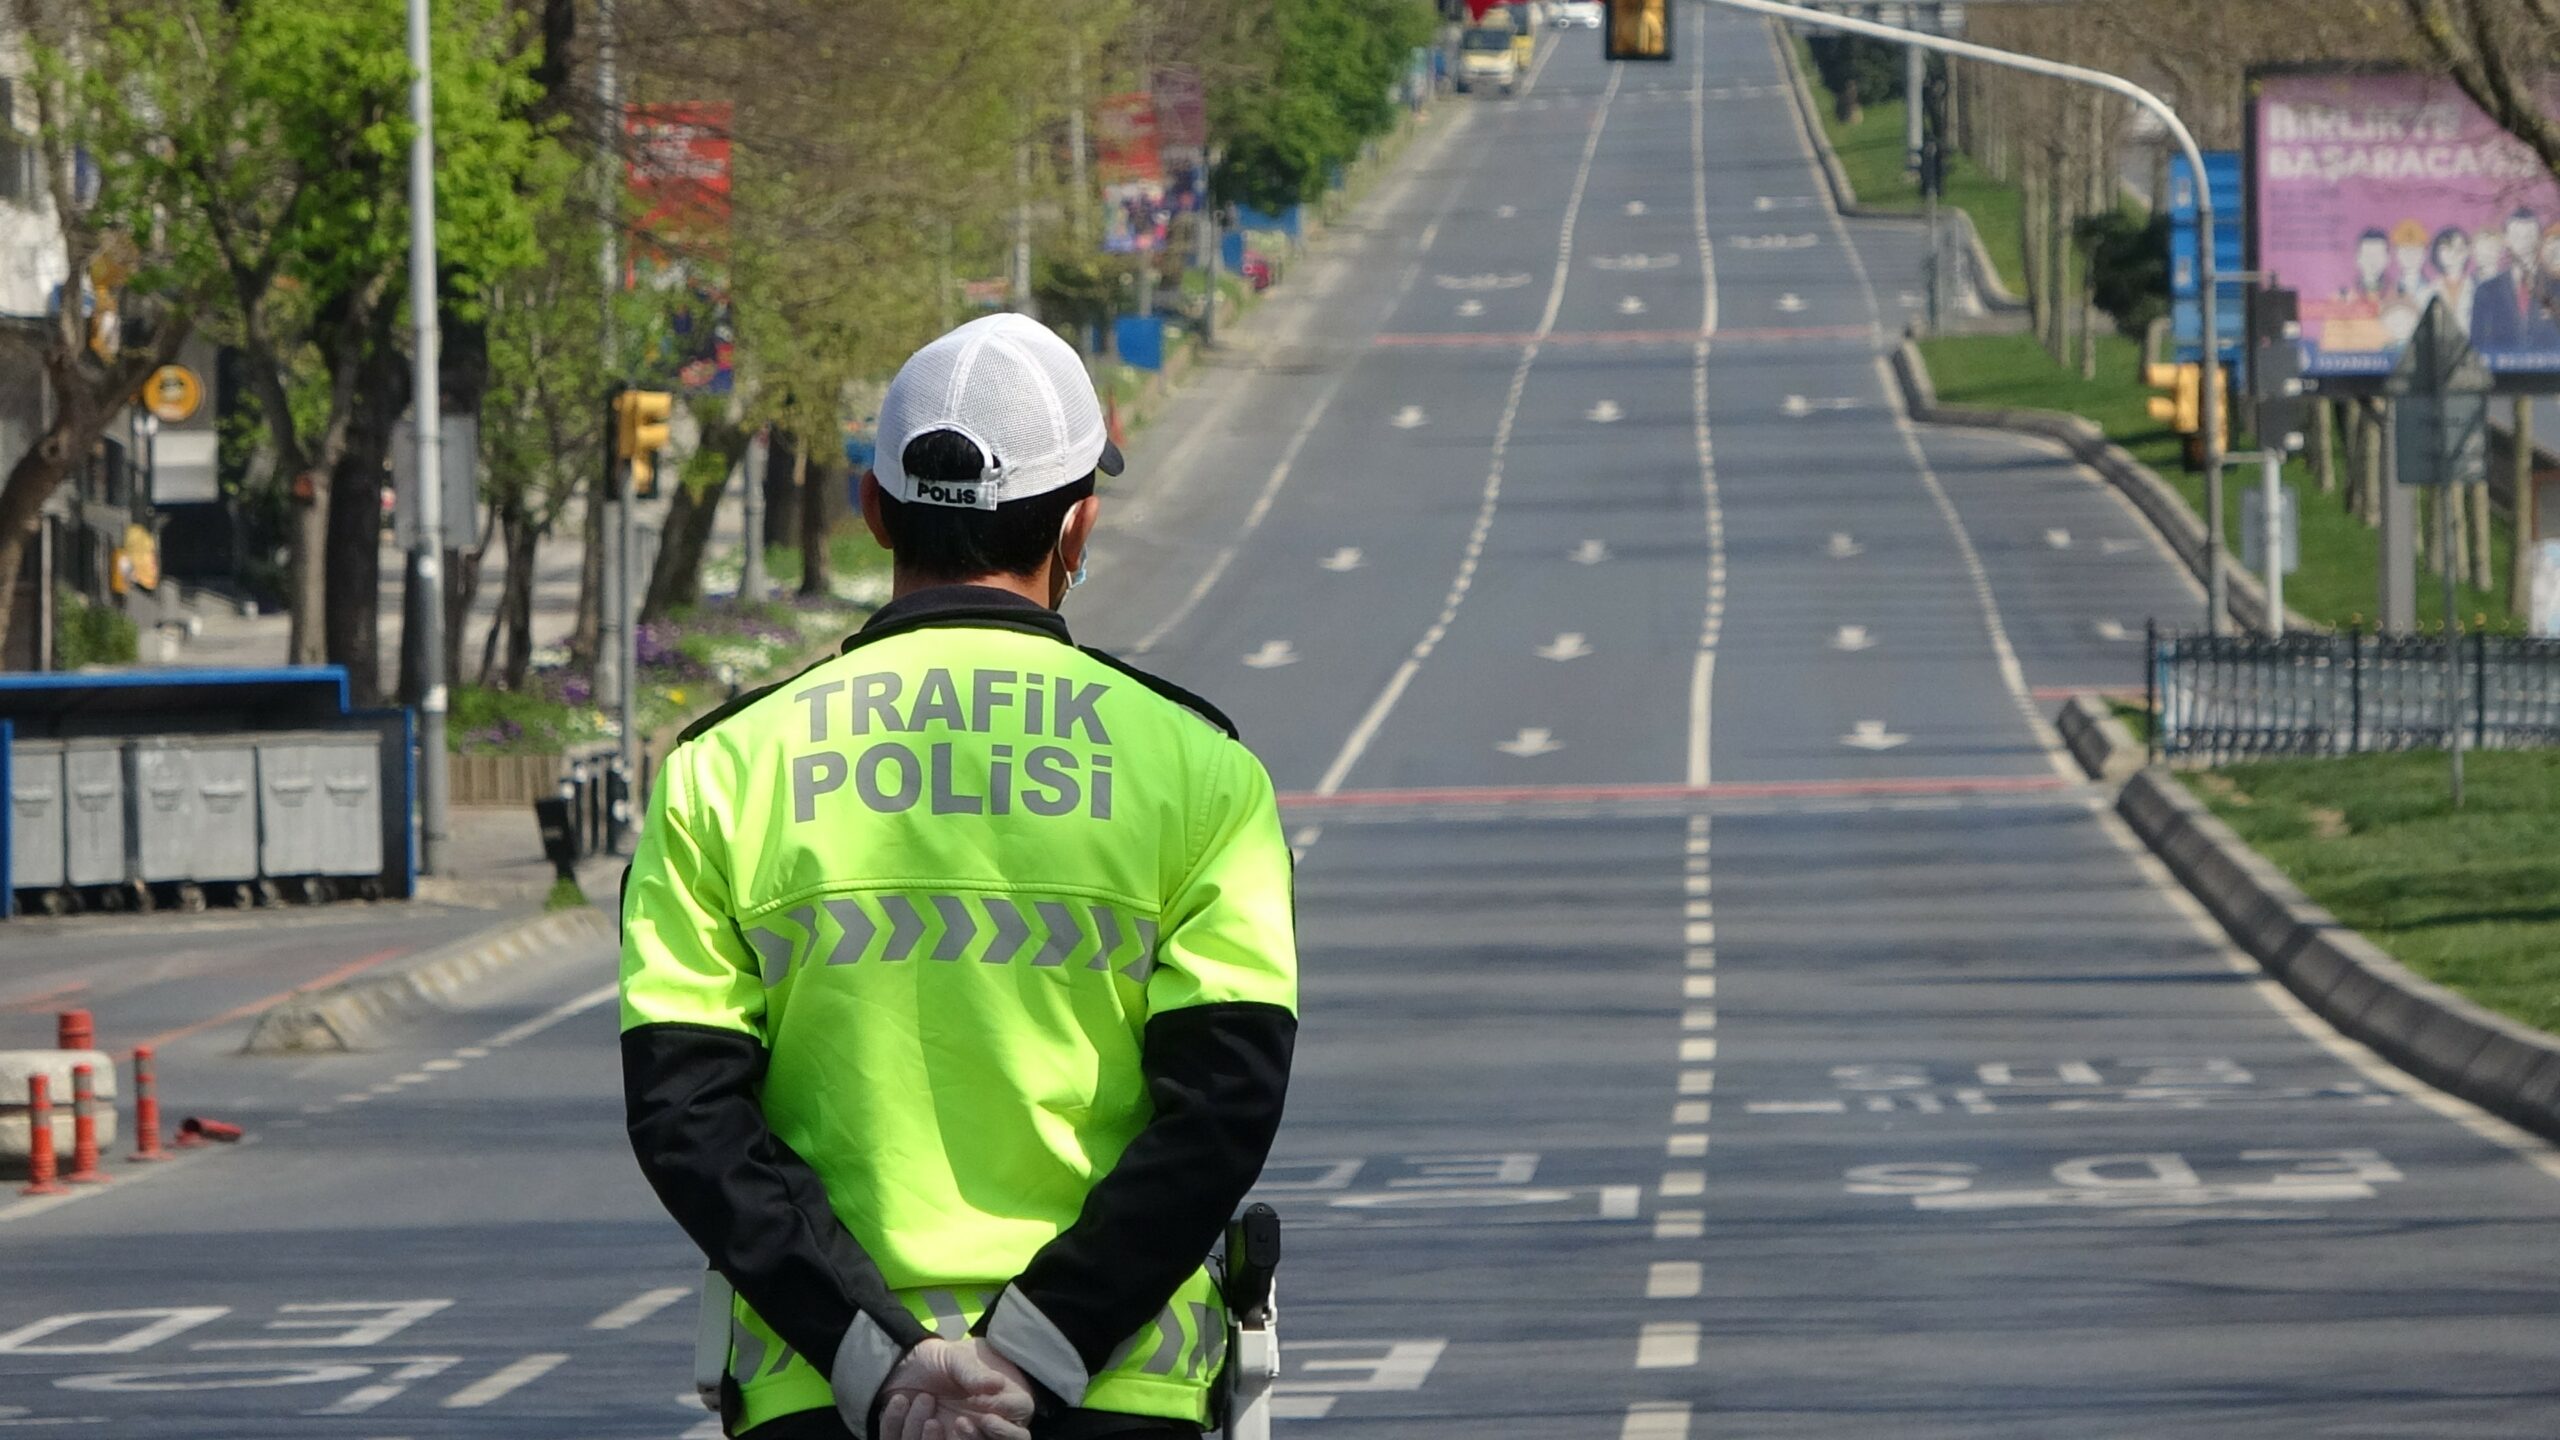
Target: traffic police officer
[(959, 975)]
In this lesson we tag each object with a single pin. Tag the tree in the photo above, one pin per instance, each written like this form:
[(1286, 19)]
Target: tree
[(2502, 53), (1332, 67), (137, 283)]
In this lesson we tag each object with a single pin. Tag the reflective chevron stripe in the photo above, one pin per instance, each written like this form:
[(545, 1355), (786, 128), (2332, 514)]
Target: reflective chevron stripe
[(949, 928)]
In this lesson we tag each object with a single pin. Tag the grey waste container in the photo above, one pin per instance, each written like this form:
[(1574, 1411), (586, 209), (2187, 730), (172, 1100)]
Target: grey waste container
[(226, 784), (35, 820), (94, 835), (320, 804), (160, 784)]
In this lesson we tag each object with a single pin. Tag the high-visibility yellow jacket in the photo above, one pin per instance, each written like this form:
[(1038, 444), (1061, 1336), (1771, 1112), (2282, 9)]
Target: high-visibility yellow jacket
[(959, 986)]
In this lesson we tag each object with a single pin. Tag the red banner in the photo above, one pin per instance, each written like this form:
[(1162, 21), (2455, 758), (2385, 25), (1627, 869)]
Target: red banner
[(1124, 138), (676, 168)]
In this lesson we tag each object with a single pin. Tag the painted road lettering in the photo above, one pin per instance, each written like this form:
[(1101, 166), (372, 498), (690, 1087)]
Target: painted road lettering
[(2133, 1180), (2140, 1083), (1324, 1371)]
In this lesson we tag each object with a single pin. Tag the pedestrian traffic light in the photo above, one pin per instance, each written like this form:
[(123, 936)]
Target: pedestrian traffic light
[(640, 432)]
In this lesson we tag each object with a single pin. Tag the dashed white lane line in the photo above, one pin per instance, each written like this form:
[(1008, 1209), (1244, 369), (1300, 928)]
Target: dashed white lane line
[(1674, 1280), (1687, 1145), (1702, 673), (1679, 1224), (390, 1387), (1690, 1112), (504, 1382), (1698, 1017), (460, 1058), (1698, 987), (1656, 1420), (1667, 1345), (638, 1308), (1367, 730), (1697, 1082), (1697, 1050), (1682, 1184)]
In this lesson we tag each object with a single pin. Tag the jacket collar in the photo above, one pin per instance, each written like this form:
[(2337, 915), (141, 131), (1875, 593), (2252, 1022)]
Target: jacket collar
[(978, 605)]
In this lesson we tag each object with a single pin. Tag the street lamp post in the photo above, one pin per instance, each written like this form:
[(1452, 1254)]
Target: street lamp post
[(2217, 611), (427, 402)]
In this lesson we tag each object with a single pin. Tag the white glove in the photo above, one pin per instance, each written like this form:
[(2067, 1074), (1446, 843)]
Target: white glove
[(955, 1390)]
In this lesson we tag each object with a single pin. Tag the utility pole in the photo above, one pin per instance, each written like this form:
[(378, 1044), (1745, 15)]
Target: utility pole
[(608, 690), (429, 404), (1022, 301), (2218, 618)]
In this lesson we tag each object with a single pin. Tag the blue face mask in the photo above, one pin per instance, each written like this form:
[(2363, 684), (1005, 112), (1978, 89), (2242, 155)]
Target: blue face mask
[(1075, 577)]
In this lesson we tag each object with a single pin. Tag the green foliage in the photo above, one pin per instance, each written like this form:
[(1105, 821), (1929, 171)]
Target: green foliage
[(2128, 267), (1332, 66), (86, 634), (2464, 897), (1874, 65)]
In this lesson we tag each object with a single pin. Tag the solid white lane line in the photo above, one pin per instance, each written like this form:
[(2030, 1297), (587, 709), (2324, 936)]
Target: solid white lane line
[(1673, 1280), (504, 1382), (553, 1016), (1376, 716), (638, 1308), (1667, 1345), (1702, 669)]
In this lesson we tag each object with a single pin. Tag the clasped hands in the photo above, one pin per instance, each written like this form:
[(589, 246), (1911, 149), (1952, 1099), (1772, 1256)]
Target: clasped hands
[(955, 1390)]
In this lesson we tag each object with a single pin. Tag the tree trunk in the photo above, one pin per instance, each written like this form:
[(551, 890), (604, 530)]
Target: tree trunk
[(586, 632), (38, 473), (2039, 284), (2484, 540), (352, 574), (2324, 446), (676, 579), (783, 472), (2377, 433), (818, 507), (2520, 565)]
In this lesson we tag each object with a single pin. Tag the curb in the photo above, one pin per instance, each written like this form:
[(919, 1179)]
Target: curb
[(1993, 292), (2159, 503), (2106, 750), (2462, 1048), (351, 1016)]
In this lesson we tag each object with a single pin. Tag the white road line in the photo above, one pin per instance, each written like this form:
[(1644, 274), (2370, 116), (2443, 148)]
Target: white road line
[(504, 1382), (1682, 1184), (1667, 1345), (1697, 1051), (1697, 1082), (553, 1016), (1702, 958), (1367, 730), (1674, 1280), (1687, 1145), (1656, 1420), (1679, 1224), (1698, 1017), (367, 1397), (638, 1308), (1621, 1202), (1698, 987)]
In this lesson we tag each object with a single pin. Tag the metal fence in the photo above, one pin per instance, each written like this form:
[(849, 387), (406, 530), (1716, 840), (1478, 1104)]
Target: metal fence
[(2218, 698)]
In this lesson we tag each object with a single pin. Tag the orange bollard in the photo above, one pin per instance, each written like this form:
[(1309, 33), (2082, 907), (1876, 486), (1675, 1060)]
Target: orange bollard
[(72, 1030), (146, 1108), (40, 1179), (84, 1129)]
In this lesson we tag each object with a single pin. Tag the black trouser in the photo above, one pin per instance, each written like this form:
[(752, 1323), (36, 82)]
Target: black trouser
[(1054, 1425)]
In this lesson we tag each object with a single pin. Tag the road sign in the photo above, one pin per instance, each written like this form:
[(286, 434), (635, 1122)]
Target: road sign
[(173, 394), (2442, 390), (2253, 532), (2186, 271)]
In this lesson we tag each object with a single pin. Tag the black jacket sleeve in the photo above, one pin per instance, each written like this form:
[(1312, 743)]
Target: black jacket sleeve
[(1218, 1075), (756, 1209)]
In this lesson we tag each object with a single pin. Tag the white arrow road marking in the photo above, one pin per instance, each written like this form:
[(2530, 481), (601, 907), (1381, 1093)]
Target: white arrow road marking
[(1853, 638), (1798, 406), (1636, 262), (2058, 538), (1604, 413), (1568, 646), (1410, 418), (1480, 282), (1630, 305), (1844, 548), (1790, 303), (1782, 202), (1345, 559), (1470, 308), (1635, 207), (1590, 552), (1272, 655), (2117, 547), (2112, 630), (1530, 743), (1871, 735), (1773, 242)]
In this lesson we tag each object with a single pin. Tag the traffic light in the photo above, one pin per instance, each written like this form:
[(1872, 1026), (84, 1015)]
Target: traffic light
[(2181, 408), (1637, 30), (2275, 368), (640, 431)]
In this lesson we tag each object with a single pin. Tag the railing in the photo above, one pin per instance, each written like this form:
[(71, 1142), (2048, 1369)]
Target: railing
[(2219, 698)]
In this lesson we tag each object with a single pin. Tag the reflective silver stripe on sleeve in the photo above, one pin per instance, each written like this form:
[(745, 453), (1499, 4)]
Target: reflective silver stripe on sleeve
[(862, 1366), (1023, 1335)]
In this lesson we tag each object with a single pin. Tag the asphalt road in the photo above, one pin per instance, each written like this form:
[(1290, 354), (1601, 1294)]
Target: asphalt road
[(1723, 1016)]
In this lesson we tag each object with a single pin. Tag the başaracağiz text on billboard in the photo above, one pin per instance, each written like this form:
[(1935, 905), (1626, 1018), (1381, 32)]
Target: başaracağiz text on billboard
[(2375, 193)]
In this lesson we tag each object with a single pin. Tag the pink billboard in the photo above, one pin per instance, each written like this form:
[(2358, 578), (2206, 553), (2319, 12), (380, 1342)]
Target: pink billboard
[(2374, 194)]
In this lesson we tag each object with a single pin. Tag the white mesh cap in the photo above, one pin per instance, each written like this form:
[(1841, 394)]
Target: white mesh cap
[(1010, 386)]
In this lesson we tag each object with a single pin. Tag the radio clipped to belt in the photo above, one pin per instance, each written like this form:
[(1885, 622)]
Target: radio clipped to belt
[(1253, 1349)]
